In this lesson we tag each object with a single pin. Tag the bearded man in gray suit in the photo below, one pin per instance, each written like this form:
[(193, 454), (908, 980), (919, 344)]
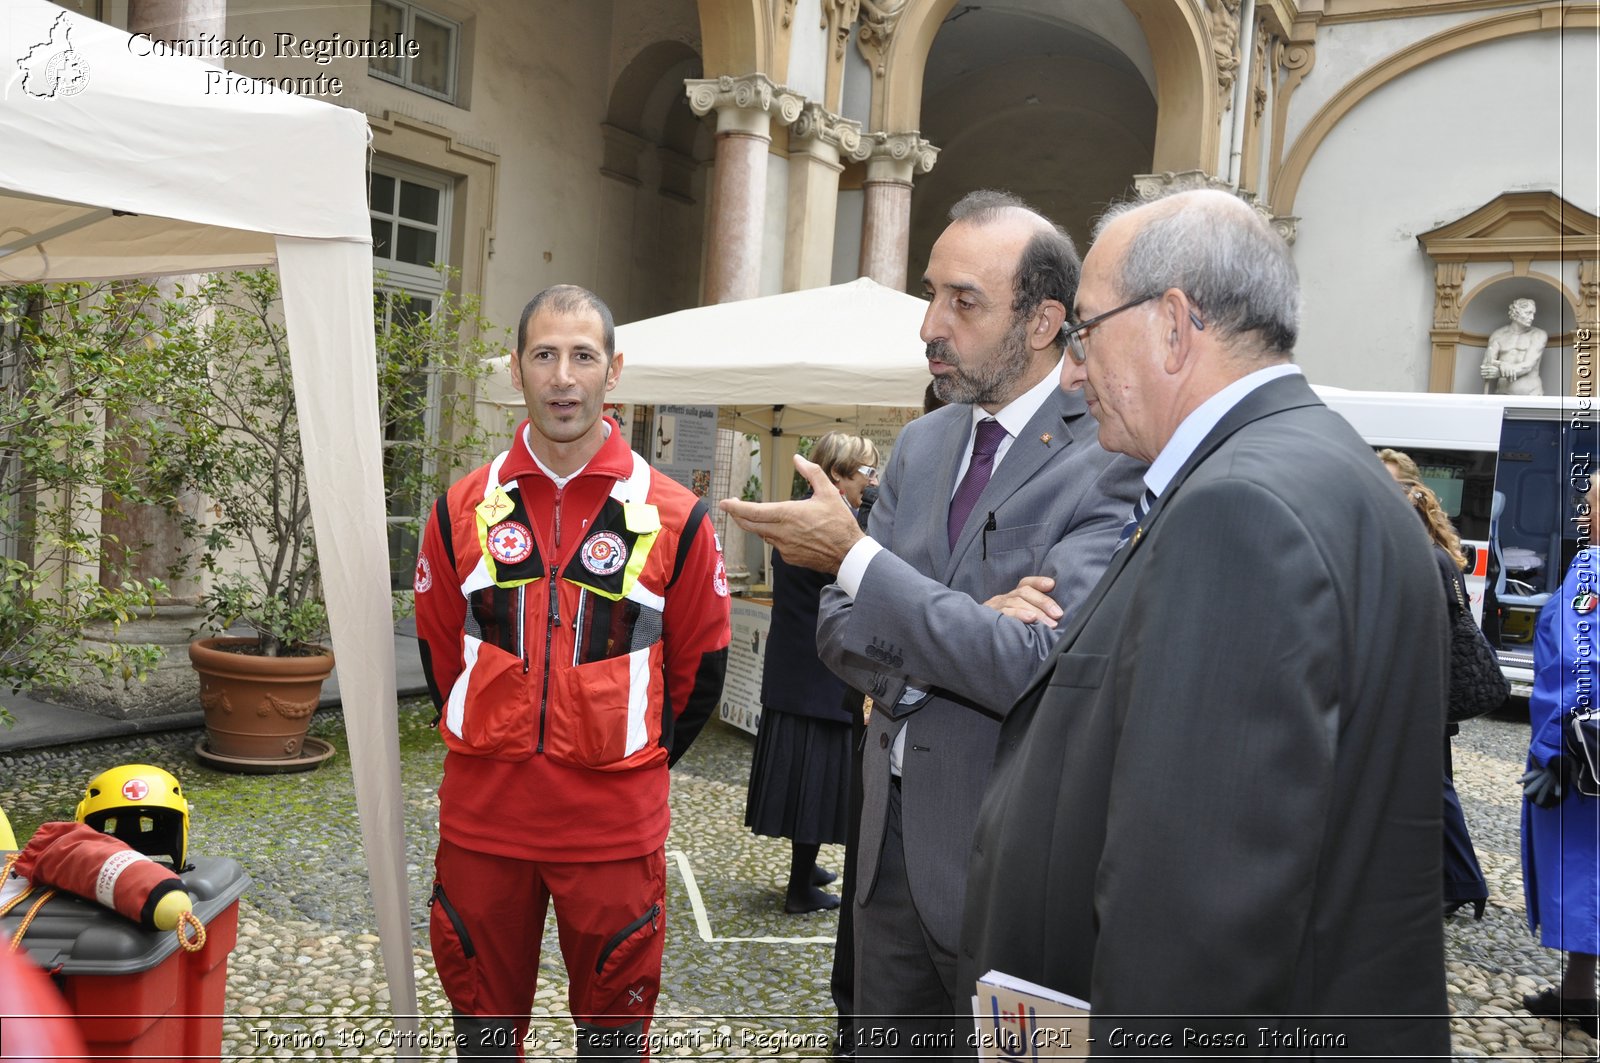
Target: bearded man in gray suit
[(1005, 486), (1215, 812)]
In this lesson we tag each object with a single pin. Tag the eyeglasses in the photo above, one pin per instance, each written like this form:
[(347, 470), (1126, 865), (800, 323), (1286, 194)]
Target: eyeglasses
[(867, 470), (1074, 335)]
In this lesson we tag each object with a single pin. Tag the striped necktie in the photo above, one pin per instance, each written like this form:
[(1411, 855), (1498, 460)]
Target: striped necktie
[(1140, 508)]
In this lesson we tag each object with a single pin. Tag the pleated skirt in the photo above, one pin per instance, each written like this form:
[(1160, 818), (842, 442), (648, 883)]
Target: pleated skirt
[(800, 779)]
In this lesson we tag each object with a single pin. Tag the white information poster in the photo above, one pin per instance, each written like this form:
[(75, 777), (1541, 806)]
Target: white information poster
[(882, 425), (741, 690), (683, 445)]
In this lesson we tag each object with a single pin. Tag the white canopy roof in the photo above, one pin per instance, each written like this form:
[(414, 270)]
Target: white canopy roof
[(117, 164), (783, 365)]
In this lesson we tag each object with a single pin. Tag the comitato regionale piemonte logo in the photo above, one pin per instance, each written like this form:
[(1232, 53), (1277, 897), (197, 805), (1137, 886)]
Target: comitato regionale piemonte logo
[(52, 68)]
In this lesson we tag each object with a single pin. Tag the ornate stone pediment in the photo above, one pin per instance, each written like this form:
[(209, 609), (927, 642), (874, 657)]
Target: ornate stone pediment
[(1513, 225)]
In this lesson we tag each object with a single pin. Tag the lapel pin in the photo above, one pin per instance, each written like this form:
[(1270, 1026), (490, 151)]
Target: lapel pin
[(1047, 437)]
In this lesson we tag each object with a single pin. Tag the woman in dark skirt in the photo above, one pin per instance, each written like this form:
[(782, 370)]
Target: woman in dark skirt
[(800, 773), (1464, 884)]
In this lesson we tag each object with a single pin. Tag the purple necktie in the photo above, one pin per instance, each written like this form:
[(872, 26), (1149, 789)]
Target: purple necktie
[(985, 444)]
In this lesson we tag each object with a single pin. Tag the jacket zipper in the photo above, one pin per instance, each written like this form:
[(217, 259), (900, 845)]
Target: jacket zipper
[(552, 621), (522, 627), (626, 932), (577, 627), (455, 920)]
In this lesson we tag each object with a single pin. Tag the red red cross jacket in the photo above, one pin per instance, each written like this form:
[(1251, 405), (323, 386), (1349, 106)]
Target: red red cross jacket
[(574, 641)]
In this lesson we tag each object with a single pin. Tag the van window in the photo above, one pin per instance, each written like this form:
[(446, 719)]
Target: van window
[(1464, 482), (1544, 466)]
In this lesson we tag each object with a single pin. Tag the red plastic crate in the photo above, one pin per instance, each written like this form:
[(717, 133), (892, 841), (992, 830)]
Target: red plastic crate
[(135, 992)]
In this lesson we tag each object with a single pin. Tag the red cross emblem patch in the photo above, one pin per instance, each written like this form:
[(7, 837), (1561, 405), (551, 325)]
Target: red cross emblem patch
[(510, 542)]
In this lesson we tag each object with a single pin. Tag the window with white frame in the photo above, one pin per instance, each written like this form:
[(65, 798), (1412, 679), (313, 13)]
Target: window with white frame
[(437, 39), (410, 239)]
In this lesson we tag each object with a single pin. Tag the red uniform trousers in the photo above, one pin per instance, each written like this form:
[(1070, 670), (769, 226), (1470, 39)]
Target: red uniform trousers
[(488, 923)]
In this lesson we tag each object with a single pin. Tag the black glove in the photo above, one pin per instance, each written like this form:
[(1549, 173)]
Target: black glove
[(1545, 786)]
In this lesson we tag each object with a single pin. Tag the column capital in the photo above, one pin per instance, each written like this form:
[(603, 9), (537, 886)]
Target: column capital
[(820, 132), (898, 156), (744, 104), (1149, 186)]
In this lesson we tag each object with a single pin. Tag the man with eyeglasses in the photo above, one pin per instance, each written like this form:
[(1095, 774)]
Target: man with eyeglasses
[(1214, 814), (1005, 483)]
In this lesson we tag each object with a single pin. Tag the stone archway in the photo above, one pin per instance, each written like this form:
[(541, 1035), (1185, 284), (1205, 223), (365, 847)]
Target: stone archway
[(654, 154), (1286, 185), (1056, 105)]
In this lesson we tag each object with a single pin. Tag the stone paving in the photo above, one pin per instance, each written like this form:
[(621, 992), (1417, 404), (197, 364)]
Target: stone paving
[(741, 980)]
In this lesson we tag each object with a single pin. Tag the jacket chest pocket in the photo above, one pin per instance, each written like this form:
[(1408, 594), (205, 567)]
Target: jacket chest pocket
[(1023, 537), (1085, 671)]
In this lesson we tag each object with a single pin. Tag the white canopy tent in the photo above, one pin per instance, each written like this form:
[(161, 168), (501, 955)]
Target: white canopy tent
[(117, 165), (781, 366)]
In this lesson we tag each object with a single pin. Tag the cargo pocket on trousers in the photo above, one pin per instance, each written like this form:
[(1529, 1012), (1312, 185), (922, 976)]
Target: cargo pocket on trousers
[(453, 955), (618, 966)]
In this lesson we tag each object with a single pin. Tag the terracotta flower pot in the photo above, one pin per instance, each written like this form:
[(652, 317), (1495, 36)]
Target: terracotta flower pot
[(257, 707)]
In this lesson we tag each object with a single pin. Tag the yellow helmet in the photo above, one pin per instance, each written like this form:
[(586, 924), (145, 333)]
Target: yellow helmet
[(142, 805)]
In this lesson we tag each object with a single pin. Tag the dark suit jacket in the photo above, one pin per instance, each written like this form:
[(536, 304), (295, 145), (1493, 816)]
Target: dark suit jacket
[(1059, 501), (793, 680), (1221, 793)]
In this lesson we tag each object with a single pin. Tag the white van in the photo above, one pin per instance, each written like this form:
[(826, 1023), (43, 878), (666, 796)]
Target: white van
[(1511, 471)]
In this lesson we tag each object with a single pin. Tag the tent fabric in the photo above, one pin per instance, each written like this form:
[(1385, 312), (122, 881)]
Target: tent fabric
[(780, 366), (138, 165), (848, 345)]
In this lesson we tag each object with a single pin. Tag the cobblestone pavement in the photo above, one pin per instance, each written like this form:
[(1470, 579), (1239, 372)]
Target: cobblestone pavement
[(741, 980)]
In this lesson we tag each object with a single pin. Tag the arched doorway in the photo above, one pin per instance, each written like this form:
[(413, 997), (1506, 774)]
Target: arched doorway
[(653, 166), (1056, 103)]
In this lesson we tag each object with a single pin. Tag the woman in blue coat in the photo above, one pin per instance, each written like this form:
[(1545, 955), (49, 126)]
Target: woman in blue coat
[(1560, 825)]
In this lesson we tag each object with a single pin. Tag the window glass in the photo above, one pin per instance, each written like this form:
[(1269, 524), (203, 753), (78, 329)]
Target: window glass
[(381, 193), (416, 246), (419, 202), (388, 24), (382, 238), (435, 41)]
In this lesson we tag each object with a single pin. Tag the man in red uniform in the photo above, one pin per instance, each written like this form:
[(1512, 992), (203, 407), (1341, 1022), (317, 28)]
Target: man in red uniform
[(572, 615)]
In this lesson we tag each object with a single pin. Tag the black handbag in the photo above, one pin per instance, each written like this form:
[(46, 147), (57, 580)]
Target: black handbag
[(1477, 685)]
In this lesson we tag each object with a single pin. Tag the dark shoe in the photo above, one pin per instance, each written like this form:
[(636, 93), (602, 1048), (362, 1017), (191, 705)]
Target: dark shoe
[(1451, 907), (1548, 1004), (811, 900), (821, 876)]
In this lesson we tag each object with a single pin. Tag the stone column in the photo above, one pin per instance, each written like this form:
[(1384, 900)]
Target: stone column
[(745, 107), (892, 160), (817, 140)]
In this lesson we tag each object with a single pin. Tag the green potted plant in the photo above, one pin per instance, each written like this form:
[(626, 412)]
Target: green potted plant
[(73, 358), (260, 690)]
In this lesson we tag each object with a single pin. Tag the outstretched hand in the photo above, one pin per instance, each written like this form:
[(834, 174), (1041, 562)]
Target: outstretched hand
[(814, 532)]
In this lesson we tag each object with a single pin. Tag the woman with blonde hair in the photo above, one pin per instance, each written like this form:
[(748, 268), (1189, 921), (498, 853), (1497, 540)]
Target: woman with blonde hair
[(1464, 883), (799, 773)]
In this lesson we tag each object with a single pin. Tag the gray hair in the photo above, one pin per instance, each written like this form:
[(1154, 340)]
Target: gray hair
[(568, 299), (1224, 256)]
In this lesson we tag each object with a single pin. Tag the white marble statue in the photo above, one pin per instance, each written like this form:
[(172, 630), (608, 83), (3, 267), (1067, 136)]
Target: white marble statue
[(1512, 360)]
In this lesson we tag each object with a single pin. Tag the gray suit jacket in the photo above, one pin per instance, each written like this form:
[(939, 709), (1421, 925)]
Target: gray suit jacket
[(1221, 793), (1059, 502)]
